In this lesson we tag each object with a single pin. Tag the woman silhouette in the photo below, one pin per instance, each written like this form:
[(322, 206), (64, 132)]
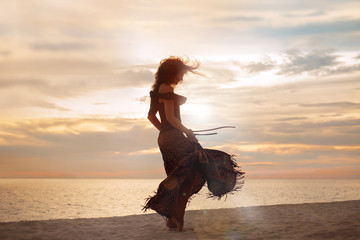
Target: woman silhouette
[(188, 166)]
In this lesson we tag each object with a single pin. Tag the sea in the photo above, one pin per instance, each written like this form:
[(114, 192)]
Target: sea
[(44, 199)]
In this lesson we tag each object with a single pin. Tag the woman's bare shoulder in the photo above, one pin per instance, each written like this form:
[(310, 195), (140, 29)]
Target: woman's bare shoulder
[(164, 88)]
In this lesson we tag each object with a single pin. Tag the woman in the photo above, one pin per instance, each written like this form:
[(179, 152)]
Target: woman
[(188, 166)]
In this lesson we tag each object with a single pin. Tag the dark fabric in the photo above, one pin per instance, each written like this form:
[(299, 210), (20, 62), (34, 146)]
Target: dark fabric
[(185, 163), (188, 165), (154, 103)]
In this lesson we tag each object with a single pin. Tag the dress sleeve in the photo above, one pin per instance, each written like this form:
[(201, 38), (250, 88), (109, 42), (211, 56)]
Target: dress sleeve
[(167, 96), (172, 96), (154, 105)]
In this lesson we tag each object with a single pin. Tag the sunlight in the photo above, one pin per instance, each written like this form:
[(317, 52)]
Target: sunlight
[(197, 112)]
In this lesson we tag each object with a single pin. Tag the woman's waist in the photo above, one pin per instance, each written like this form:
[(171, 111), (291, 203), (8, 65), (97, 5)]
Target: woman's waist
[(166, 126), (170, 135), (168, 129)]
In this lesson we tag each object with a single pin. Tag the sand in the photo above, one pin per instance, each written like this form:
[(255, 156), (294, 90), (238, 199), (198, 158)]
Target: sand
[(336, 220)]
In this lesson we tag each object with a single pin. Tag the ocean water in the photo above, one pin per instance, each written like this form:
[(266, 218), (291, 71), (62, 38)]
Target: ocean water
[(43, 199)]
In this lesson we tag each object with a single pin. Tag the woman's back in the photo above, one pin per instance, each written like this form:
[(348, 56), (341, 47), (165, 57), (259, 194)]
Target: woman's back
[(166, 93)]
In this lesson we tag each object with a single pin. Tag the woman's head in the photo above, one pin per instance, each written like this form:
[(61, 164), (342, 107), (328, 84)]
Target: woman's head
[(172, 70)]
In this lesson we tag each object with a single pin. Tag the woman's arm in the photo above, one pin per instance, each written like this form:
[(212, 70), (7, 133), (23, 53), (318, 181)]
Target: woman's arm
[(170, 116), (155, 121)]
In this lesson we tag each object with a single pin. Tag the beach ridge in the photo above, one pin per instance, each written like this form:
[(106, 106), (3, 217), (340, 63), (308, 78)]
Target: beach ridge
[(331, 220)]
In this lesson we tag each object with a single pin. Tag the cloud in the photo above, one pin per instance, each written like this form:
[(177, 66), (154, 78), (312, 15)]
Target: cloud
[(8, 83), (264, 64), (59, 46), (239, 19), (64, 60), (307, 14), (81, 84), (312, 29), (146, 173), (296, 62), (215, 74), (330, 115), (316, 62), (330, 160), (129, 28), (289, 113), (329, 27), (261, 163), (73, 146), (144, 99), (346, 172), (331, 132), (288, 149), (344, 69), (55, 66), (78, 145), (49, 105), (44, 104), (303, 126), (291, 119), (12, 101), (135, 77), (348, 105), (5, 53)]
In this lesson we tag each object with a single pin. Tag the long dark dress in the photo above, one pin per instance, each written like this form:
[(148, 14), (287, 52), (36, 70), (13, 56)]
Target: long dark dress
[(187, 164)]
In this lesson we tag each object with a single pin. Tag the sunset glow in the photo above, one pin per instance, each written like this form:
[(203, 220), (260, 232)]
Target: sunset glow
[(75, 80)]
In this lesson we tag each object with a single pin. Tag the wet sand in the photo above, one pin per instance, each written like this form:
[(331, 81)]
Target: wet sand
[(336, 220)]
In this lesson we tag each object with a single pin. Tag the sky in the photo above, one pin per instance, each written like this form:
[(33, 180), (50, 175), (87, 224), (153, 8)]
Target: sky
[(75, 78)]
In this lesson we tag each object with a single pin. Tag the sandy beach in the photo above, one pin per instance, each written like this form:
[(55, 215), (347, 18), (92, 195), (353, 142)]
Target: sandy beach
[(336, 220)]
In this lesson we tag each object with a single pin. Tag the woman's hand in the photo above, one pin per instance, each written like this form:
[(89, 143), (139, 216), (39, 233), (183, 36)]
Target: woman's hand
[(190, 135)]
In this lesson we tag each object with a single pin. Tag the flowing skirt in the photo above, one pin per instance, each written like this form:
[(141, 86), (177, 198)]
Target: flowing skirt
[(188, 165)]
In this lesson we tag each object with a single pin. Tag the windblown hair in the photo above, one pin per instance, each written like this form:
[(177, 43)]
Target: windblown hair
[(170, 67)]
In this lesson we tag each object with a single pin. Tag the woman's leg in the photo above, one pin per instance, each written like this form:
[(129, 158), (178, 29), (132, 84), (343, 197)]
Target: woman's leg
[(182, 200), (176, 220), (170, 224)]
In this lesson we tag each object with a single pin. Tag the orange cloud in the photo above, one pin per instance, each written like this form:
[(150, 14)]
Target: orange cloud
[(146, 151), (303, 173), (36, 174), (261, 163), (326, 160), (149, 173), (283, 149)]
